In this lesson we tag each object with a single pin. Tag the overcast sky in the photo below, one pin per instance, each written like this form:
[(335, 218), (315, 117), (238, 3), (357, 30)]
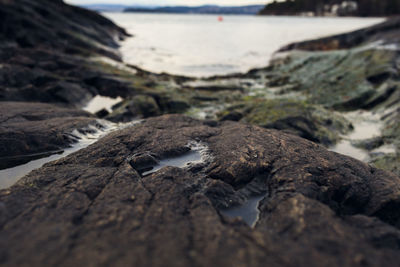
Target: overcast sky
[(170, 2)]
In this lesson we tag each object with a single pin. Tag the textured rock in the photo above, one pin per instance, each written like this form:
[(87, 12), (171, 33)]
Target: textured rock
[(386, 32), (53, 24), (104, 206), (44, 52), (290, 115), (353, 71), (94, 208), (343, 80), (33, 130)]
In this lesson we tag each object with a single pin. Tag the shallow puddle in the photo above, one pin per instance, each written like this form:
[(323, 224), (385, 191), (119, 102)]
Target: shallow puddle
[(196, 155), (366, 125), (385, 149), (99, 102), (205, 113), (345, 147), (10, 176), (248, 212)]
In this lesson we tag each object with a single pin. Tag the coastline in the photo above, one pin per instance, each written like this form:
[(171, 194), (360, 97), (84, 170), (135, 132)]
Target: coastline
[(157, 46), (154, 186)]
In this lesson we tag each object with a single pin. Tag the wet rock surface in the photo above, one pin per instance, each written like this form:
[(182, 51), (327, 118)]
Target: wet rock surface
[(94, 207), (290, 115), (310, 89), (54, 24), (163, 193), (45, 50), (386, 32), (34, 130)]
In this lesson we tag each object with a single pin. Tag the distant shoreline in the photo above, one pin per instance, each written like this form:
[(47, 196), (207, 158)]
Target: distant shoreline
[(251, 15)]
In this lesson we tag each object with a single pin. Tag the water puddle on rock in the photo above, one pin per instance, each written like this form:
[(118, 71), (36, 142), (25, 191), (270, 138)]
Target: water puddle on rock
[(385, 149), (99, 102), (205, 113), (84, 138), (345, 147), (197, 154), (366, 125), (248, 212)]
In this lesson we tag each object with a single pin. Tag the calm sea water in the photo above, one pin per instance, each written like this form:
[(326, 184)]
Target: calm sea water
[(200, 45)]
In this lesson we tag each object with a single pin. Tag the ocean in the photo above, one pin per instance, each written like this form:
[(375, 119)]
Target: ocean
[(202, 45)]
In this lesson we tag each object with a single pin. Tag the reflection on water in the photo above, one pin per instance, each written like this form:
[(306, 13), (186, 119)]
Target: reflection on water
[(192, 157), (366, 125), (99, 102), (10, 176), (346, 148), (199, 45), (196, 155), (248, 212)]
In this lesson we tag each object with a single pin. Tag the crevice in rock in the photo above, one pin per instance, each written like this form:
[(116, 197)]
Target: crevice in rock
[(390, 213), (77, 220)]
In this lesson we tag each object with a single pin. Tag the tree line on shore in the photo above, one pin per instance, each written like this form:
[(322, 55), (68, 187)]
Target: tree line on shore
[(363, 8)]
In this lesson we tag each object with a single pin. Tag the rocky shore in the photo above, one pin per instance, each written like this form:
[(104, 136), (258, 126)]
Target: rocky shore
[(169, 190)]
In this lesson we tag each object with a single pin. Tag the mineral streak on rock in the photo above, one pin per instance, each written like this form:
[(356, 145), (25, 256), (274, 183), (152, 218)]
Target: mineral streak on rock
[(93, 208)]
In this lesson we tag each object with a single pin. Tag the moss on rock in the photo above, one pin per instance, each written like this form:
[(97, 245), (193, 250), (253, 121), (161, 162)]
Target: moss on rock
[(294, 116)]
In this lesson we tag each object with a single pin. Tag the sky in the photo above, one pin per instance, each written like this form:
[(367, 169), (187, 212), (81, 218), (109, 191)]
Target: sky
[(171, 2)]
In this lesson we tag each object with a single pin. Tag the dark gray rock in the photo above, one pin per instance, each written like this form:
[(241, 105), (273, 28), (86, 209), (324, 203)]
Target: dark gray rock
[(44, 52), (56, 25), (386, 32), (34, 130), (95, 208)]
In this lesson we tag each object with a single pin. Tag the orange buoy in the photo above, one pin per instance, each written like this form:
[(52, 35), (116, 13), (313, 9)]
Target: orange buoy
[(220, 19)]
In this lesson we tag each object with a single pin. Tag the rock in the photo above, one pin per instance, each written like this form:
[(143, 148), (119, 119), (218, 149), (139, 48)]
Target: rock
[(66, 92), (140, 106), (337, 79), (357, 70), (102, 113), (56, 25), (32, 130), (386, 32), (291, 115), (384, 93), (231, 116), (369, 144), (94, 208), (346, 72), (215, 88), (113, 203), (388, 162), (175, 105), (112, 86), (44, 52)]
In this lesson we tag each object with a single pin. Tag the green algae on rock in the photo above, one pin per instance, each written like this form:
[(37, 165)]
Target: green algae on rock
[(309, 121), (344, 80)]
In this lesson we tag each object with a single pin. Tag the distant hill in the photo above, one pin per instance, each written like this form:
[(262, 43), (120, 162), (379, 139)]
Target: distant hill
[(363, 8), (111, 7), (207, 9)]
